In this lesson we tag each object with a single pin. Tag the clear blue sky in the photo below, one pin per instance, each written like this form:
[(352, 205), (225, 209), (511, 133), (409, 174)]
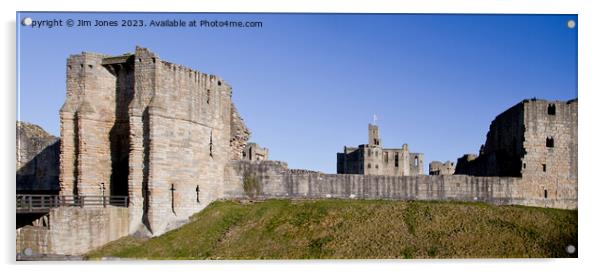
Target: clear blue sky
[(308, 84)]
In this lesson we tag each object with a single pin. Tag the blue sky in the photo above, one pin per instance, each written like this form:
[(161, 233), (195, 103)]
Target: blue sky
[(308, 84)]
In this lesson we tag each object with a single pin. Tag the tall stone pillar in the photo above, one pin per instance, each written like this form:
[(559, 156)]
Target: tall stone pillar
[(68, 155), (144, 65), (160, 192), (138, 171), (92, 162), (69, 131)]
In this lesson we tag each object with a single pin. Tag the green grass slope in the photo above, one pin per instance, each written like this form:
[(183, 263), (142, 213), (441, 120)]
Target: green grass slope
[(358, 229)]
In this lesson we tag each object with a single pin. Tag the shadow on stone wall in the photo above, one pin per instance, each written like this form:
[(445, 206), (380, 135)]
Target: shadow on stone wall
[(40, 175), (145, 170)]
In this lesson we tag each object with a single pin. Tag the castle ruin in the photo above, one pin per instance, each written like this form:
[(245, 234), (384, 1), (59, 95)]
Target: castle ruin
[(373, 159), (535, 140), (254, 152), (169, 140), (442, 168), (37, 157), (160, 133)]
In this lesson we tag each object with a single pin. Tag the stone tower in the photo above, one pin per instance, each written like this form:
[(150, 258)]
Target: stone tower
[(536, 140), (160, 133), (373, 135), (254, 152)]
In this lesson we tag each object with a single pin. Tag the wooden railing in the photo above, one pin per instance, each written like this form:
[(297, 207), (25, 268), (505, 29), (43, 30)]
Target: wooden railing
[(38, 203)]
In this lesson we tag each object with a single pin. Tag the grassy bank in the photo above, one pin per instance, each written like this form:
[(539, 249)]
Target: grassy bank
[(336, 229)]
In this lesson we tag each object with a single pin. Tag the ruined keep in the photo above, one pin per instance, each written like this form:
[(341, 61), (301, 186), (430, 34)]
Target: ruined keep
[(439, 168), (373, 159), (160, 133), (254, 152), (536, 140)]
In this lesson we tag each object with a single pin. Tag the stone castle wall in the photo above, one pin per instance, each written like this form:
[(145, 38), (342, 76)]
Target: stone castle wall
[(74, 231), (553, 170), (277, 181), (189, 120)]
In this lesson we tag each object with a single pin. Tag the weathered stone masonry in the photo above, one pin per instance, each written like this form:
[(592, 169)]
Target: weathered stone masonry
[(37, 160), (160, 133), (254, 152), (74, 231), (537, 141), (170, 139), (277, 181), (529, 158), (373, 159), (441, 168)]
